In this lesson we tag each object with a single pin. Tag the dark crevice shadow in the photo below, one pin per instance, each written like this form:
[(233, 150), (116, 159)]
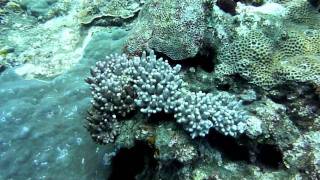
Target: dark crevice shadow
[(128, 163)]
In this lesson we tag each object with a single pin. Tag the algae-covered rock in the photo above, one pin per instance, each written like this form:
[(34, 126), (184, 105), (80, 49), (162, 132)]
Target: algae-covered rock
[(33, 110), (305, 155), (276, 126), (102, 40), (45, 9), (174, 146), (37, 7), (175, 28), (90, 11)]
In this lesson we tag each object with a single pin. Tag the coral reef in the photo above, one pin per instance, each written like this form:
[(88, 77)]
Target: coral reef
[(193, 89), (260, 124)]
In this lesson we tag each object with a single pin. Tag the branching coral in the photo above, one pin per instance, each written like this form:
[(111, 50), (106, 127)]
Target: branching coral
[(119, 85), (103, 127), (198, 112), (194, 112), (111, 91), (156, 83)]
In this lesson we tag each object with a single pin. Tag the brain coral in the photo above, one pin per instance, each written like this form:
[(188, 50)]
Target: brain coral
[(253, 46)]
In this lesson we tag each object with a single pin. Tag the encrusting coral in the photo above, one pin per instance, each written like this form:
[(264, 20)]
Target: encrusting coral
[(295, 55), (175, 28)]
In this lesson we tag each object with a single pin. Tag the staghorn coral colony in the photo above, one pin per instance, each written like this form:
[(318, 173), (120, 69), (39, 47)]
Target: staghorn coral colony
[(192, 89)]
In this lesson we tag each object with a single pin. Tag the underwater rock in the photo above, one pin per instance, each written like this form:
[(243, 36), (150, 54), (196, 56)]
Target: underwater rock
[(102, 41), (3, 2), (47, 49), (38, 118), (174, 146), (37, 8), (91, 11), (45, 9), (305, 155), (277, 128), (224, 28), (302, 103)]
